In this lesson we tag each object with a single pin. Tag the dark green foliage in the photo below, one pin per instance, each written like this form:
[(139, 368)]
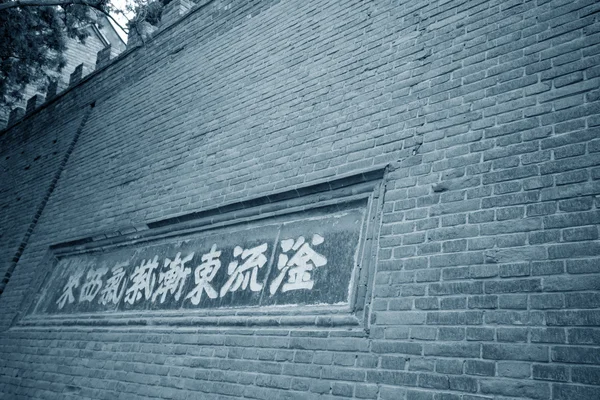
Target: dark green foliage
[(32, 42), (150, 12)]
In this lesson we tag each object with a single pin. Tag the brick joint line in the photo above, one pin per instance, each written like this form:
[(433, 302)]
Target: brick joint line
[(42, 205)]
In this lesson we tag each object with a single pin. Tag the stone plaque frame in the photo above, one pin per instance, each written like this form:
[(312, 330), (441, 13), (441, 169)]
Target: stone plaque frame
[(364, 189)]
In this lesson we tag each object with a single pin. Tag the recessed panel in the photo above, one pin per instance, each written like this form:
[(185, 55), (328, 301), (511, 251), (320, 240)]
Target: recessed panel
[(306, 259)]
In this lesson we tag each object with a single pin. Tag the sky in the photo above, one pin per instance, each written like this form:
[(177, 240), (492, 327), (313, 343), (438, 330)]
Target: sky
[(120, 4)]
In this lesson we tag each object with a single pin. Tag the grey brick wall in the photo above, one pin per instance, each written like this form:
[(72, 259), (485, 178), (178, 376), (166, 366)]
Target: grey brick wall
[(487, 284)]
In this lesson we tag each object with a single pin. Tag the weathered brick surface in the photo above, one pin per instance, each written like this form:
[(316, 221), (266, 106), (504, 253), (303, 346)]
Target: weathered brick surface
[(487, 276)]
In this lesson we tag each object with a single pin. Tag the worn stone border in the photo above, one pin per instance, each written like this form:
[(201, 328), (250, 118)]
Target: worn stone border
[(366, 186)]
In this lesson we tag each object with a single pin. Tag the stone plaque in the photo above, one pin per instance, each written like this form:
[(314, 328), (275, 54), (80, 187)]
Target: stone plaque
[(306, 258)]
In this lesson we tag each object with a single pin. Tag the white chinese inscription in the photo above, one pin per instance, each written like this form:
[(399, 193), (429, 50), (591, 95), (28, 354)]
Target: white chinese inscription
[(92, 285), (174, 278), (296, 264), (115, 285), (241, 275), (296, 270), (204, 274), (67, 296), (143, 280)]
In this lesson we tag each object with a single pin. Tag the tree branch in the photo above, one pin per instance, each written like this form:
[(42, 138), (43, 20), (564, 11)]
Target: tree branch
[(42, 3), (109, 16), (6, 57)]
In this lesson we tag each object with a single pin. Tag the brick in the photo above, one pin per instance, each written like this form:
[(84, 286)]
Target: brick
[(510, 174), (452, 350), (396, 332), (400, 317), (481, 216), (547, 301), (418, 395), (399, 304), (454, 318), (579, 204), (338, 373), (541, 209), (514, 270), (433, 381), (514, 369), (532, 390), (572, 250), (553, 283), (480, 334), (429, 275), (580, 234), (451, 334), (387, 347), (317, 387), (457, 273), (452, 288), (342, 389), (509, 213), (583, 266), (463, 384), (513, 286), (555, 373), (577, 355), (391, 393), (483, 302), (366, 361), (483, 271), (513, 240), (392, 362), (454, 246), (584, 336), (574, 318), (571, 177), (525, 225), (582, 300), (515, 256), (483, 368), (453, 303), (363, 391), (512, 335), (427, 303), (392, 378), (510, 199), (544, 237), (569, 191), (423, 333), (453, 367), (513, 301), (566, 392), (586, 375), (548, 335), (515, 352), (514, 317), (547, 268)]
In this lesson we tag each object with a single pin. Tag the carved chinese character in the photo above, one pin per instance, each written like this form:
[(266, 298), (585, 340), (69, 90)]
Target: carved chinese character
[(297, 268), (174, 278), (143, 280), (115, 285), (67, 296), (92, 285), (204, 274), (241, 275)]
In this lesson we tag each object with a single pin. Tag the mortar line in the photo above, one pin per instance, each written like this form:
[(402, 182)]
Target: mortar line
[(42, 205)]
